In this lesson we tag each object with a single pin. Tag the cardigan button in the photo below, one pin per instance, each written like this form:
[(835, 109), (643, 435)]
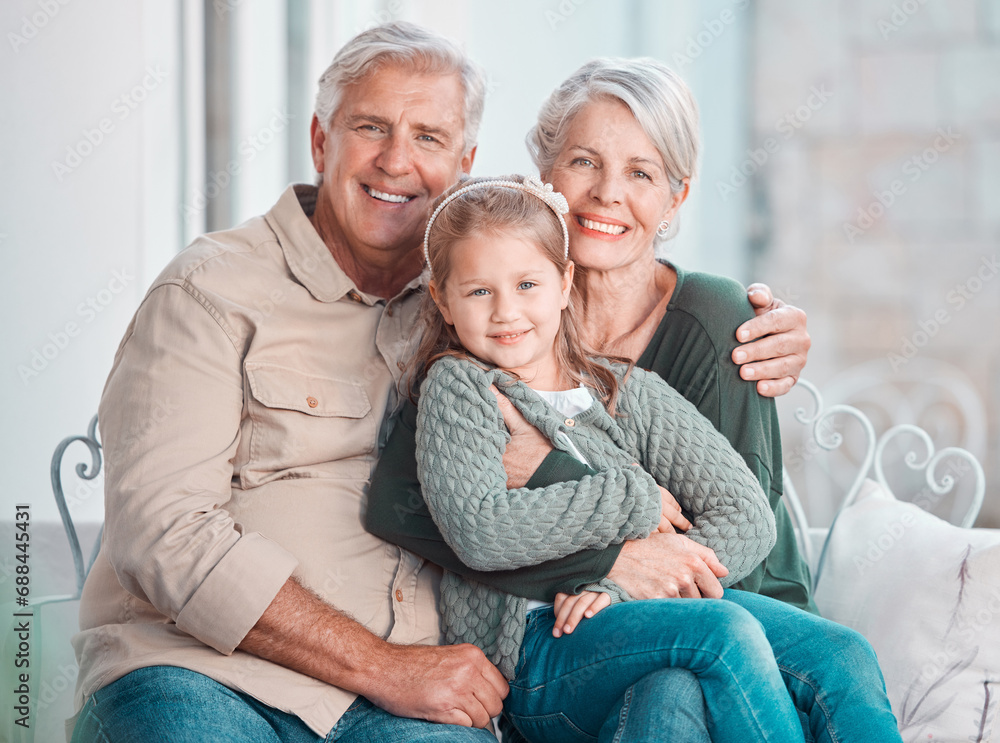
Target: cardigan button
[(570, 422)]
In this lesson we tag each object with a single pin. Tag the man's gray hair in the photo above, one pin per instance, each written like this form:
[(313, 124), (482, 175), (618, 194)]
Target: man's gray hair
[(404, 43), (658, 98)]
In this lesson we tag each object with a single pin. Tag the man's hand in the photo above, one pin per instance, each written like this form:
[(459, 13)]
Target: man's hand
[(780, 344), (668, 566), (570, 609), (453, 684), (449, 683), (671, 519), (527, 447)]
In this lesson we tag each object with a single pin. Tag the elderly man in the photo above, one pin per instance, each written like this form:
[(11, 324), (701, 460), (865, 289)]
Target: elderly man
[(237, 596)]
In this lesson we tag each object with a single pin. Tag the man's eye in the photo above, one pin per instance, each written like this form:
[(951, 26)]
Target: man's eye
[(369, 128), (427, 138)]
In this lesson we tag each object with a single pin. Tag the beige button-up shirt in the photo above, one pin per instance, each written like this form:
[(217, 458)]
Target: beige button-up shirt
[(241, 422)]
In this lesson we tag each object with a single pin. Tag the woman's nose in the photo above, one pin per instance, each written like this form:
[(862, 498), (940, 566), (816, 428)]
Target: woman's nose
[(607, 188)]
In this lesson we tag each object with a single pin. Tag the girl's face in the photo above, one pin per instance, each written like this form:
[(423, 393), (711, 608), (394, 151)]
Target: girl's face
[(617, 187), (505, 299)]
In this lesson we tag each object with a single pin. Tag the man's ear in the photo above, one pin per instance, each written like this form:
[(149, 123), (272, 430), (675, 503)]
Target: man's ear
[(317, 141), (567, 286), (438, 296), (467, 159)]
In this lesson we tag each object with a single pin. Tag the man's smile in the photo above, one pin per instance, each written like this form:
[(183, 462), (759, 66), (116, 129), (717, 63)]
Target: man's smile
[(391, 198)]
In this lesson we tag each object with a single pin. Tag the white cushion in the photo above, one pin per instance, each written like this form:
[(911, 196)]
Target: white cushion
[(926, 594)]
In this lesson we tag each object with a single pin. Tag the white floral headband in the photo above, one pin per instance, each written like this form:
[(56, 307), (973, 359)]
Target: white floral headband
[(553, 199)]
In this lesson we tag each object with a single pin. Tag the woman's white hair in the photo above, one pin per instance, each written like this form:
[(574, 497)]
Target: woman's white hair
[(404, 43), (658, 98)]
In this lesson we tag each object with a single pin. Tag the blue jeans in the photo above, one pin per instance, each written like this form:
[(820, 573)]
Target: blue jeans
[(569, 689), (181, 706), (829, 671)]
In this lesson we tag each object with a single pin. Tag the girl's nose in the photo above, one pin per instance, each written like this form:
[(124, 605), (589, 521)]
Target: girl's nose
[(505, 308)]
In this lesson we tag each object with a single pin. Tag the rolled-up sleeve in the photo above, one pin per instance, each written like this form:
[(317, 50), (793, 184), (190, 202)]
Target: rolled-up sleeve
[(170, 426)]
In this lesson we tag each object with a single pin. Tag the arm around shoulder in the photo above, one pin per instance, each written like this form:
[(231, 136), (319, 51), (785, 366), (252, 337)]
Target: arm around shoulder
[(731, 514)]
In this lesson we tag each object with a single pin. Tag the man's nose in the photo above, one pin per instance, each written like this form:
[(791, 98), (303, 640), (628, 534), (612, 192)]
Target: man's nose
[(396, 157)]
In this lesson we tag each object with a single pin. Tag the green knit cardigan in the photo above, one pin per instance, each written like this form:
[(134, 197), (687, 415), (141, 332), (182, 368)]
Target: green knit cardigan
[(461, 439)]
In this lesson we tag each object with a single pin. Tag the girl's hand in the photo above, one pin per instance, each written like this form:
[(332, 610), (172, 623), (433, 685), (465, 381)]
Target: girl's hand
[(571, 609), (672, 519)]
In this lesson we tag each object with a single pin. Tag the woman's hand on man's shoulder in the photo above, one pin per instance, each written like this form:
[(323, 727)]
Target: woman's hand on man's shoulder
[(774, 344)]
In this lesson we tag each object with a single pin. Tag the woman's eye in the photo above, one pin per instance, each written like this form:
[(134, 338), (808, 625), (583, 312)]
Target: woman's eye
[(585, 161), (526, 285), (641, 174)]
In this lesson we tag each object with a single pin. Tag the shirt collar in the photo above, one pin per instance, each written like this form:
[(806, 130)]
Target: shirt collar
[(305, 252)]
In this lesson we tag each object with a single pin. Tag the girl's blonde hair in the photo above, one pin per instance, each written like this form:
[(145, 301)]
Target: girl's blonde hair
[(505, 211)]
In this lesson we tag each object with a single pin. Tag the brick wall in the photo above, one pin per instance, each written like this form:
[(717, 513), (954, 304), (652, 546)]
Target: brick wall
[(875, 172)]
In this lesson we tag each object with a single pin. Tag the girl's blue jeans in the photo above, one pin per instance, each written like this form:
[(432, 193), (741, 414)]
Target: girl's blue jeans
[(633, 671)]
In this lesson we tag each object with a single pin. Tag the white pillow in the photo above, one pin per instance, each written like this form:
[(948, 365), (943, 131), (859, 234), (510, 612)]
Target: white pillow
[(926, 594)]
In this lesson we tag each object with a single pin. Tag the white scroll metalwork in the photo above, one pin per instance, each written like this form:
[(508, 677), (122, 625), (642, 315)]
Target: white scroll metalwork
[(929, 466)]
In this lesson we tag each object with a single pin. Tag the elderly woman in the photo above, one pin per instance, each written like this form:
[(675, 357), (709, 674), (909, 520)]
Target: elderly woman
[(619, 139)]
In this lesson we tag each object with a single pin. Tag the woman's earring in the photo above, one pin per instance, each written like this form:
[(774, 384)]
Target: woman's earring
[(662, 230)]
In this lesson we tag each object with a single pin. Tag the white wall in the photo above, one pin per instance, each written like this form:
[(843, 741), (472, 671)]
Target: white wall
[(87, 211)]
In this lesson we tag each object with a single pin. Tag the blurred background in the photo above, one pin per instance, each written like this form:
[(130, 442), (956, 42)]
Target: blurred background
[(851, 161)]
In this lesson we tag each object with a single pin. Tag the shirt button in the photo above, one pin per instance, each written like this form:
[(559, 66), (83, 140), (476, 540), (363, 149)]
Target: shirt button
[(388, 311), (570, 422), (399, 595), (354, 295), (312, 402)]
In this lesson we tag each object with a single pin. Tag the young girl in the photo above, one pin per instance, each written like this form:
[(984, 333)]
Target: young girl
[(502, 324)]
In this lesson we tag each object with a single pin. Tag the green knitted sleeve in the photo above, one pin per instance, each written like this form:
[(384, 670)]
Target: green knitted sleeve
[(460, 444), (700, 468)]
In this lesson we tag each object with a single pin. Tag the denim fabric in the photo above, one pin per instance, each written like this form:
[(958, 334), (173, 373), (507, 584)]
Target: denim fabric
[(574, 684), (830, 671), (181, 706), (366, 723), (639, 711)]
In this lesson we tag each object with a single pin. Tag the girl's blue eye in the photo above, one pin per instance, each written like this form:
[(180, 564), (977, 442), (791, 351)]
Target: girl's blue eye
[(526, 285), (479, 293)]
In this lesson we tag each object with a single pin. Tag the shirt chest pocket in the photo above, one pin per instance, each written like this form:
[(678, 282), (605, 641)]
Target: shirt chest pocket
[(304, 425)]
